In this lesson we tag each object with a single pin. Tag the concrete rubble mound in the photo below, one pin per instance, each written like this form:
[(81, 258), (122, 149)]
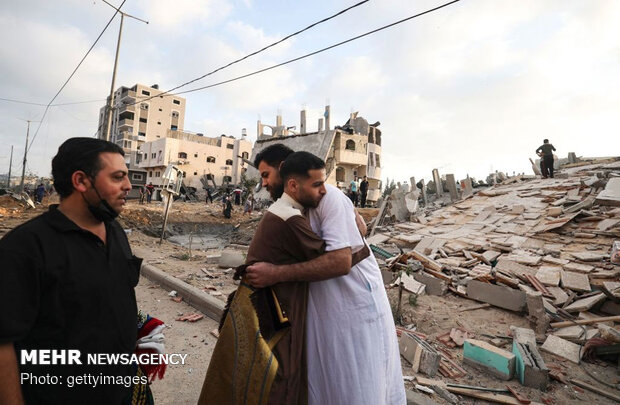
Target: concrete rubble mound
[(543, 249)]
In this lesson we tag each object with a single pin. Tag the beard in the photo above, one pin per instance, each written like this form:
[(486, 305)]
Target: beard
[(308, 201), (276, 191)]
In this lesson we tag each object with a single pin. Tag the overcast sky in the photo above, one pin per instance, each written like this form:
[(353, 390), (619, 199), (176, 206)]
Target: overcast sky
[(470, 88)]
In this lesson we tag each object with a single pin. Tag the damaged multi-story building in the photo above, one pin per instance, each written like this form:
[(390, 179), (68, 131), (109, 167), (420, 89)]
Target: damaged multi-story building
[(350, 151)]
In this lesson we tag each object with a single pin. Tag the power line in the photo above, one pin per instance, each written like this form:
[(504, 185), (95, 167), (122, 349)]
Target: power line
[(256, 52), (10, 100), (73, 73), (320, 50)]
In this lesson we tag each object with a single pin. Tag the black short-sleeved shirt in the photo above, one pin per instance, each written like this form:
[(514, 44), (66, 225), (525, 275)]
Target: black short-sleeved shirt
[(546, 149), (61, 287)]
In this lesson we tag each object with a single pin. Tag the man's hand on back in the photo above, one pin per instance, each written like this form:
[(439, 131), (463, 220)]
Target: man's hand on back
[(262, 274)]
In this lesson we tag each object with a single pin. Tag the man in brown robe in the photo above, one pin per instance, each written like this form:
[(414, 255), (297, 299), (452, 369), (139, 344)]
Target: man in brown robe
[(260, 355)]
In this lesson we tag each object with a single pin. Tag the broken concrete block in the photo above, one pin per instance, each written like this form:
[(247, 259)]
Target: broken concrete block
[(497, 295), (562, 348), (611, 308), (576, 281), (494, 360), (537, 312), (585, 303), (530, 366), (434, 285), (611, 194), (388, 277), (410, 284), (549, 275), (523, 335), (451, 184), (231, 258), (588, 256), (517, 209), (559, 295), (422, 356), (554, 211)]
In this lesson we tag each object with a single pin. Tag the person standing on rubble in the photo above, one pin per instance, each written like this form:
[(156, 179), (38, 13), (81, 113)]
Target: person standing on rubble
[(363, 192), (546, 150), (352, 350), (67, 282)]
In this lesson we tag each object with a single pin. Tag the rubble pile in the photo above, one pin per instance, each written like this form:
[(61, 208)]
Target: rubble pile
[(547, 248)]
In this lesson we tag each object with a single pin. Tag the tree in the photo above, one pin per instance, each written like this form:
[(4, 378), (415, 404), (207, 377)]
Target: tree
[(389, 187)]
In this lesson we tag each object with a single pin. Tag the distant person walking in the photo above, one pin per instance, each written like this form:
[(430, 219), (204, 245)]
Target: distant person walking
[(39, 193), (149, 192), (209, 197), (142, 191), (545, 151), (249, 205), (363, 192)]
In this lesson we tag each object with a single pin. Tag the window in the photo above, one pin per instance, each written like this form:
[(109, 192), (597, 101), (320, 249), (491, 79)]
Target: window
[(127, 144), (175, 114), (230, 146), (143, 120), (340, 174), (245, 155), (371, 159), (229, 162), (350, 145), (145, 93), (371, 137), (182, 155), (209, 177), (195, 155), (195, 173), (141, 134), (136, 176), (150, 173), (160, 110), (144, 106), (157, 174), (177, 102), (158, 122), (377, 159), (210, 159), (153, 155), (174, 127), (227, 179), (138, 158)]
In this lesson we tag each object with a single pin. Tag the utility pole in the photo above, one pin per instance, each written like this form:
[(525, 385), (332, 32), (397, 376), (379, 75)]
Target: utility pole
[(8, 182), (110, 108), (21, 184)]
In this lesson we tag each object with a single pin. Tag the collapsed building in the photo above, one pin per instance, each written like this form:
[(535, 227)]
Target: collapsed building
[(548, 249), (350, 151)]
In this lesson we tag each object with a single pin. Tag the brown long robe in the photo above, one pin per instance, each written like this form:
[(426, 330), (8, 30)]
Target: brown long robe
[(260, 355)]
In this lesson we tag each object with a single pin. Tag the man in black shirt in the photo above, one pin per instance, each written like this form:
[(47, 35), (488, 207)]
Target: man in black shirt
[(545, 151), (67, 283), (363, 192)]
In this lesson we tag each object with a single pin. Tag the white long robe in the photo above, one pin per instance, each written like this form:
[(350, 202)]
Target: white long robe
[(353, 355)]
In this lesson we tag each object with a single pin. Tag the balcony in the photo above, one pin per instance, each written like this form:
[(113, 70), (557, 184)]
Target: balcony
[(130, 95), (125, 123), (373, 172), (351, 157), (124, 108)]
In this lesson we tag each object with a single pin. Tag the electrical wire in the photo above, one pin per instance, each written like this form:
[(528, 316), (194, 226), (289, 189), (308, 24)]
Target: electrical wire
[(258, 51), (73, 73), (312, 53), (10, 100)]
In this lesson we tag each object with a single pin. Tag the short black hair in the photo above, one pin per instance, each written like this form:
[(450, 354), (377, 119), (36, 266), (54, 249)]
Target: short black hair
[(273, 155), (545, 141), (79, 154), (298, 164)]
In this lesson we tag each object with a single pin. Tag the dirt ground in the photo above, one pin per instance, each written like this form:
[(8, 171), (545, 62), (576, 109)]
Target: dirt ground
[(431, 315)]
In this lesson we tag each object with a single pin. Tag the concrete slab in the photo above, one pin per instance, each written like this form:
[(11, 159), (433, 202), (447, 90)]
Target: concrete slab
[(576, 281), (496, 361), (585, 303), (514, 268), (497, 295), (560, 296), (562, 348), (410, 284), (571, 332), (231, 258), (549, 275), (611, 194), (578, 267), (523, 335)]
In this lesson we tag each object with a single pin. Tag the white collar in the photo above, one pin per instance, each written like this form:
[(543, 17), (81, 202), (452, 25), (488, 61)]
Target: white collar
[(290, 201)]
